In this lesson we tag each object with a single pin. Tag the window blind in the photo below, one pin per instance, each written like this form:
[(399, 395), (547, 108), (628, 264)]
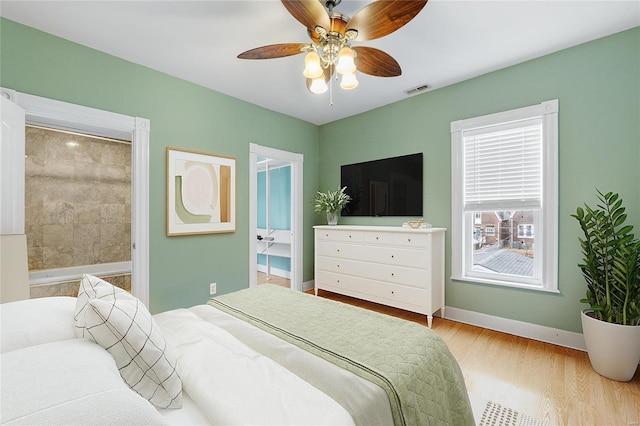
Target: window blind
[(503, 166)]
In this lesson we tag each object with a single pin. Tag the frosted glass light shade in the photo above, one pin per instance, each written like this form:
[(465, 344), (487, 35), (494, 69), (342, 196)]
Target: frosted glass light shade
[(318, 86), (312, 67), (346, 65), (349, 81)]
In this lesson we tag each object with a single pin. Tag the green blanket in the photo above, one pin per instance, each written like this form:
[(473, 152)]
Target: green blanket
[(409, 361)]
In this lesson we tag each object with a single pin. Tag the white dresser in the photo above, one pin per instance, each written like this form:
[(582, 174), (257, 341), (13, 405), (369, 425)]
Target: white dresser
[(394, 266)]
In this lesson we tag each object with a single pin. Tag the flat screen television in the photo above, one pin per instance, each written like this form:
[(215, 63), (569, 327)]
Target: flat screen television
[(386, 187)]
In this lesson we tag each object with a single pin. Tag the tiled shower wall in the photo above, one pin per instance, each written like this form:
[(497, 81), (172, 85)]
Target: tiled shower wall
[(77, 202)]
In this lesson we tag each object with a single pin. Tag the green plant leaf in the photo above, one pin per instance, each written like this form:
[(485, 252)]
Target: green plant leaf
[(611, 260)]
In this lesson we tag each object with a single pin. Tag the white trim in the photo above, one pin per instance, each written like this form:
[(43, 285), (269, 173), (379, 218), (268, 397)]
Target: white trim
[(308, 285), (296, 210), (140, 210), (547, 243), (65, 116), (274, 271), (12, 166), (568, 339)]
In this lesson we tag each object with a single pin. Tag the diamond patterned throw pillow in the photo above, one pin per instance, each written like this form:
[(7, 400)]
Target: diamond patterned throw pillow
[(122, 325)]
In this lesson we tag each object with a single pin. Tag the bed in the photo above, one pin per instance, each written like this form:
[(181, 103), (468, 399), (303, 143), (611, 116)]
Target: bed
[(264, 355)]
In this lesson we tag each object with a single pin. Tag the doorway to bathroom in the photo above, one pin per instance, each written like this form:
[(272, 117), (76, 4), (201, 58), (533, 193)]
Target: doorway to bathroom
[(77, 209), (275, 217), (70, 119)]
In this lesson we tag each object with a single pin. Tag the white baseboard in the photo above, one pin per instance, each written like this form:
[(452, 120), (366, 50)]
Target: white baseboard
[(568, 339), (308, 285), (556, 336), (275, 271)]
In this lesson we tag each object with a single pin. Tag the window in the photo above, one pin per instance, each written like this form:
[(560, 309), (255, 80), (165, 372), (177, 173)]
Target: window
[(504, 186), (525, 231)]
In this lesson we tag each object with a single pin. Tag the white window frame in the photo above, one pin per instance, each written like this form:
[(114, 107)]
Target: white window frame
[(546, 277), (493, 231)]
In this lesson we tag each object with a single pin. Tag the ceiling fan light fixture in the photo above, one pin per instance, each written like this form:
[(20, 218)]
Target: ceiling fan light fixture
[(346, 64), (312, 66), (349, 81), (318, 86)]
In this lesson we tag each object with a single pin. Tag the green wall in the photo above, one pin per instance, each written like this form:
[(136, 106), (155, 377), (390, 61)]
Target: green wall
[(598, 88), (182, 115), (597, 84)]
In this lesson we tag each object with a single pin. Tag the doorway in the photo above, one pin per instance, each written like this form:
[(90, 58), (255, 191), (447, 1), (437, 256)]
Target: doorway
[(77, 210), (275, 219), (39, 111)]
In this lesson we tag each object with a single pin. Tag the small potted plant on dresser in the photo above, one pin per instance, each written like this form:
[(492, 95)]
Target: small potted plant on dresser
[(611, 268), (331, 202)]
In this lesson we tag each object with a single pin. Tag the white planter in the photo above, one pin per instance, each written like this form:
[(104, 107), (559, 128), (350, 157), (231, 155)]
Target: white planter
[(614, 350), (332, 218)]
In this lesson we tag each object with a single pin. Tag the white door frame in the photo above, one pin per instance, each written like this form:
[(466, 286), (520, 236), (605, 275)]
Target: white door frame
[(296, 161), (65, 116)]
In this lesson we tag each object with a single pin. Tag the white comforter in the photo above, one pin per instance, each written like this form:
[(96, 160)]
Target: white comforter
[(233, 384)]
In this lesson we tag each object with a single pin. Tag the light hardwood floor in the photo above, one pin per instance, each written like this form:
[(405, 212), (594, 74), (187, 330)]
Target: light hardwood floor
[(542, 380)]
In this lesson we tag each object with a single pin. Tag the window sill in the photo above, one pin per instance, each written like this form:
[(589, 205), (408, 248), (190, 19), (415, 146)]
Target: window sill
[(509, 284)]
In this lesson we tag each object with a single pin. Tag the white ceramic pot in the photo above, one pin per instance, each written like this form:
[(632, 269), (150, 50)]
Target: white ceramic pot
[(614, 350)]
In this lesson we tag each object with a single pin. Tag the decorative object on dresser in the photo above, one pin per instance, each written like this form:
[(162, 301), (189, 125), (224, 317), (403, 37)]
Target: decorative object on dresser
[(331, 202), (399, 267)]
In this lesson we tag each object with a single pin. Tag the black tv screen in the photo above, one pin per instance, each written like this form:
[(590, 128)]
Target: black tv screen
[(386, 187)]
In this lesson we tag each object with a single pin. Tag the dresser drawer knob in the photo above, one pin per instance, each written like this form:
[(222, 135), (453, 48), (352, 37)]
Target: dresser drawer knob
[(408, 240), (393, 256), (393, 274), (338, 265), (326, 235), (377, 238), (349, 236), (392, 292), (338, 281), (338, 250)]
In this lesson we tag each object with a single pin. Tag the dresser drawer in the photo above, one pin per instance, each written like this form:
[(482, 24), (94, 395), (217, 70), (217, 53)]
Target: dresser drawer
[(339, 235), (340, 266), (385, 238), (344, 251), (399, 296), (407, 239), (397, 256), (411, 277), (339, 281)]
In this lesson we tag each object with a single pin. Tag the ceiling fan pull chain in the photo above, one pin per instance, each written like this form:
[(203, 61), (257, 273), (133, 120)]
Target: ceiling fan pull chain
[(330, 91)]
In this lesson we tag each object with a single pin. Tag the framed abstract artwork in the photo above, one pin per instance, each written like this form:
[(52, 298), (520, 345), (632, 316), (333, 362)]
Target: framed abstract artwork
[(201, 192)]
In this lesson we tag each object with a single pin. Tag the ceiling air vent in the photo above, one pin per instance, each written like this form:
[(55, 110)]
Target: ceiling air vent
[(417, 90)]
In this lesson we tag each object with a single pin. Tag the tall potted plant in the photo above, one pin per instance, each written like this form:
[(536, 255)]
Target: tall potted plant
[(331, 202), (611, 268)]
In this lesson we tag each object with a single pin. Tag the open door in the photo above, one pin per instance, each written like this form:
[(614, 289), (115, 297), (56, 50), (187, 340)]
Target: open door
[(275, 219), (12, 168)]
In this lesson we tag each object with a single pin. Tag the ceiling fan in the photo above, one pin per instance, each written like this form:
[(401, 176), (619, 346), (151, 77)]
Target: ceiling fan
[(331, 35)]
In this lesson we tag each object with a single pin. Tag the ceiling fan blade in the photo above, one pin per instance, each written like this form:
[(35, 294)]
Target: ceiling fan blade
[(375, 62), (383, 17), (308, 12), (274, 51)]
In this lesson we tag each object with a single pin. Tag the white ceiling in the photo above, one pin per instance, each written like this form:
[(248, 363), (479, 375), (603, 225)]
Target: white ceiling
[(198, 41)]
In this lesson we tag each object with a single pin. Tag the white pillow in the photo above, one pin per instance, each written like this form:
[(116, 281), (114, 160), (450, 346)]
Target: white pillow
[(122, 325), (70, 382), (36, 321)]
